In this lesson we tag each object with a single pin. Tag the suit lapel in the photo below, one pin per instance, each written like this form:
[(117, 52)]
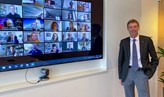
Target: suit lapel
[(128, 47), (141, 42)]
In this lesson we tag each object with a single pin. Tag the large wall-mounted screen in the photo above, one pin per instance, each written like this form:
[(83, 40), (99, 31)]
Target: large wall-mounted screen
[(37, 33)]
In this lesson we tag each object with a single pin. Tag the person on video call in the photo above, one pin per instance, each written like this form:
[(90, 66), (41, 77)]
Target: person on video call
[(35, 50), (34, 27), (12, 38), (71, 6), (70, 17), (83, 46), (49, 3), (84, 7), (54, 38), (9, 25), (84, 37), (54, 49), (70, 38), (134, 65), (71, 27), (12, 13), (85, 18), (41, 16), (34, 37), (55, 26), (11, 51), (84, 28), (69, 47)]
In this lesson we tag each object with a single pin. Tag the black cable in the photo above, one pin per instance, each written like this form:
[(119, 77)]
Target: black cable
[(28, 80)]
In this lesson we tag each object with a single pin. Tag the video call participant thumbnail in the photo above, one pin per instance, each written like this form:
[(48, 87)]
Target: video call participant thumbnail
[(69, 46), (69, 15), (53, 47), (52, 14), (84, 6), (56, 4), (33, 2), (33, 24), (8, 25), (84, 27), (32, 11), (34, 49), (51, 25), (70, 26), (69, 36), (12, 13), (53, 37), (11, 50), (84, 46), (69, 4), (85, 36), (84, 17), (13, 37), (34, 36)]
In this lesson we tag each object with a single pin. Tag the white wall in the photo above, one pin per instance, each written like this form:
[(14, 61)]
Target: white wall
[(117, 13), (149, 27)]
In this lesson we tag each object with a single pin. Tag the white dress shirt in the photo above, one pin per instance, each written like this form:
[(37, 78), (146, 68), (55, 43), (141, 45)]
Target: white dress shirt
[(138, 51)]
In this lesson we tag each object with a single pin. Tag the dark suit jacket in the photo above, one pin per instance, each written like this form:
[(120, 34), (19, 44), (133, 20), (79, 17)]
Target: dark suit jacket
[(146, 49)]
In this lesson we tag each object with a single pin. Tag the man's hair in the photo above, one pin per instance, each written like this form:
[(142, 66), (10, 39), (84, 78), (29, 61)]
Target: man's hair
[(12, 6), (133, 21)]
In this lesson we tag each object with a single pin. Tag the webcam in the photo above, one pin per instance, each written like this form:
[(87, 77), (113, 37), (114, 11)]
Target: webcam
[(45, 74)]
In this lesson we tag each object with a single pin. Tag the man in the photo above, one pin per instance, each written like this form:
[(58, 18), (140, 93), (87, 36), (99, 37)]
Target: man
[(12, 38), (12, 13), (71, 6), (86, 18), (9, 25), (84, 48), (70, 47), (70, 38), (34, 27), (35, 50), (84, 37), (134, 66), (54, 49)]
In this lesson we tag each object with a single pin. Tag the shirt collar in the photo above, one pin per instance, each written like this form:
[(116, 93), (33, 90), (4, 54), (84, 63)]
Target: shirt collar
[(137, 38)]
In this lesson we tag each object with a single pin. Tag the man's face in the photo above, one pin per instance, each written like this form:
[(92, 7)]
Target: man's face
[(55, 36), (12, 9), (69, 16), (12, 49), (9, 23), (84, 35), (11, 35), (69, 35), (34, 46), (133, 29), (85, 17)]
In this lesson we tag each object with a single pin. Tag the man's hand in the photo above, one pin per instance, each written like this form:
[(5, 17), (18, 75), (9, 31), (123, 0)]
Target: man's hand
[(121, 82)]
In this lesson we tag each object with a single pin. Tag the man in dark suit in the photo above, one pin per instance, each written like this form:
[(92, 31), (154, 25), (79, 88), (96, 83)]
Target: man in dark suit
[(134, 66)]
